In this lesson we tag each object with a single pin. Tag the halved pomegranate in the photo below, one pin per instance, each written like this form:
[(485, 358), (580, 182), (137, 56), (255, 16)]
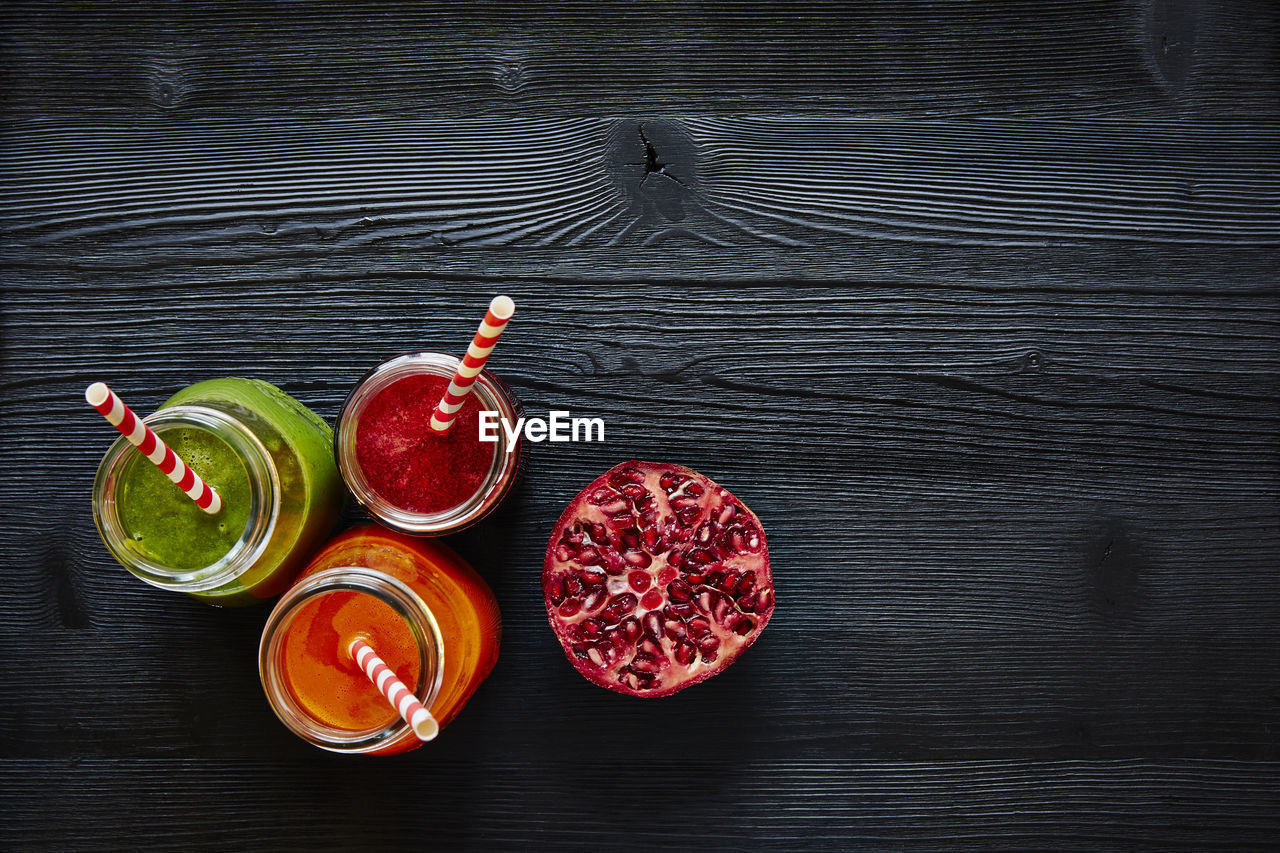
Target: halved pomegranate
[(656, 578)]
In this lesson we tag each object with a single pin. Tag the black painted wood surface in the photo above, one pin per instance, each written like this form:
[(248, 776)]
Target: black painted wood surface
[(975, 304)]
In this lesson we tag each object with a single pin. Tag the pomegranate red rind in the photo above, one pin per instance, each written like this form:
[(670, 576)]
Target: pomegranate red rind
[(656, 578)]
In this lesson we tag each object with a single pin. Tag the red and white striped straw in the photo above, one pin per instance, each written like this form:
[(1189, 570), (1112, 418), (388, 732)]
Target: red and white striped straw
[(401, 698), (495, 320), (140, 436)]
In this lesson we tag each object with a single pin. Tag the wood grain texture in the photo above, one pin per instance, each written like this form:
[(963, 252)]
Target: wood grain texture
[(1142, 57), (713, 185), (1023, 501), (842, 803)]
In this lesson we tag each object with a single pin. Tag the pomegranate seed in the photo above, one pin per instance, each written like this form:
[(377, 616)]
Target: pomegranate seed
[(684, 611), (688, 516), (679, 591), (644, 663), (727, 513), (619, 606), (685, 653), (555, 591), (596, 657), (575, 633), (666, 576), (633, 490), (668, 482), (594, 600), (705, 601), (592, 627), (633, 475), (715, 579), (589, 557), (598, 533), (653, 624), (765, 599), (675, 629), (630, 629), (651, 600), (650, 647), (593, 579), (650, 538), (743, 625), (676, 559), (581, 650), (628, 679), (729, 583), (706, 531), (601, 495), (694, 578), (709, 657), (570, 607), (638, 558), (617, 508), (563, 553), (697, 557), (665, 542), (753, 540), (747, 585), (708, 644), (699, 627), (693, 489), (722, 608), (573, 586), (639, 581)]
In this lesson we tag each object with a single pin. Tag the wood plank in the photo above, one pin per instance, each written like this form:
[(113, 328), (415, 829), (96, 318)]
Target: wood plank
[(203, 59), (894, 194), (823, 803)]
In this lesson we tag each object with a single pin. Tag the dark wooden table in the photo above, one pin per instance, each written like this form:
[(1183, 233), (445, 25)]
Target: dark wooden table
[(975, 304)]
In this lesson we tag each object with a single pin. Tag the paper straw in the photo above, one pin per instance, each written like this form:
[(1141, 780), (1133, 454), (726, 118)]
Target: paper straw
[(141, 436), (495, 320), (401, 698)]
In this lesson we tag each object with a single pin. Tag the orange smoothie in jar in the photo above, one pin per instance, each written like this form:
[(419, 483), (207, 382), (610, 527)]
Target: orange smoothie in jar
[(424, 611)]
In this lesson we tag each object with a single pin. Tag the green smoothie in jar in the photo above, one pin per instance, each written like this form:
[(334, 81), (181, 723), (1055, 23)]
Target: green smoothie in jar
[(268, 457)]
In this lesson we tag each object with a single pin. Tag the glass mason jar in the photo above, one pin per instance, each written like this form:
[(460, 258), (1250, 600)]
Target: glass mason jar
[(271, 461), (374, 407), (422, 609)]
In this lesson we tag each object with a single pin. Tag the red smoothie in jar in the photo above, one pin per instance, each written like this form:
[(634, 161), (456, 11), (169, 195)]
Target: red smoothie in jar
[(410, 477), (411, 465)]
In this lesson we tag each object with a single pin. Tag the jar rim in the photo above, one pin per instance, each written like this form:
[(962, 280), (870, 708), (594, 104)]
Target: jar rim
[(494, 396), (264, 501), (387, 589)]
